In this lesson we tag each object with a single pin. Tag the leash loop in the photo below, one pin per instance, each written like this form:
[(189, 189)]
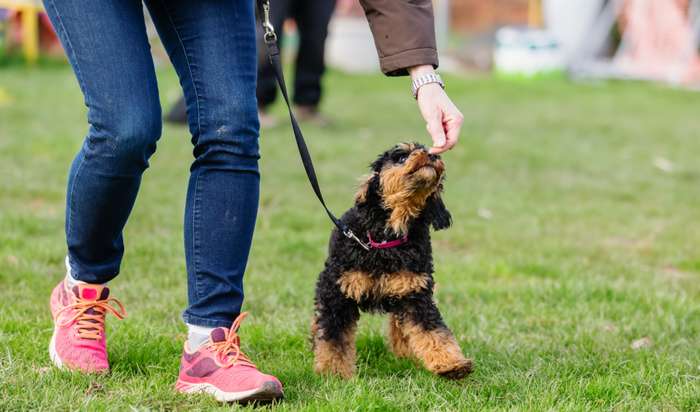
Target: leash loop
[(270, 36), (350, 235)]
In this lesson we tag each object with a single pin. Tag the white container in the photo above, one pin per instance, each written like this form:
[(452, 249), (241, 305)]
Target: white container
[(526, 52)]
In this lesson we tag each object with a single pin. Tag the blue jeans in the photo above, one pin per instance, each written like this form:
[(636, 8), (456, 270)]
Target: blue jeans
[(211, 44)]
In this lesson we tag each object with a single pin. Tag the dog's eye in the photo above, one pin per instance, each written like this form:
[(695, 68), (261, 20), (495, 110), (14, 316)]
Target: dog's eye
[(402, 159)]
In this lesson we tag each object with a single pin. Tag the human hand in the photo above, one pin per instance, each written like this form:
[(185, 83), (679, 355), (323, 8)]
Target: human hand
[(443, 119)]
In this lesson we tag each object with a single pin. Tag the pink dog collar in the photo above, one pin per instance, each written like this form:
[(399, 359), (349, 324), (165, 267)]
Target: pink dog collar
[(386, 244)]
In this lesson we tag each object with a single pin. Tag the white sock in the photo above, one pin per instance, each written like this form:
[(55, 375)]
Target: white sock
[(197, 335), (70, 280)]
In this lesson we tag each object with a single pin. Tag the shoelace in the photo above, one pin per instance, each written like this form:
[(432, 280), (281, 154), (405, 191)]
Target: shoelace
[(228, 351), (91, 325)]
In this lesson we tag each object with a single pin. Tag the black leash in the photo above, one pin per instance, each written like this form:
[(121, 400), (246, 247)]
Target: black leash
[(273, 54)]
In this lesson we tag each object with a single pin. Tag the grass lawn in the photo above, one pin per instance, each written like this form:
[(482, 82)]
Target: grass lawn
[(576, 211)]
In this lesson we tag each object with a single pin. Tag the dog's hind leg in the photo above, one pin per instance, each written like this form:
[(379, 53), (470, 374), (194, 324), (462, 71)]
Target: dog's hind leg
[(333, 332), (398, 341), (432, 342)]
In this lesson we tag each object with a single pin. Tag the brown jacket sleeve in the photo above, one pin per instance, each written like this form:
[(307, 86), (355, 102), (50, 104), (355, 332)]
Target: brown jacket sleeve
[(404, 33)]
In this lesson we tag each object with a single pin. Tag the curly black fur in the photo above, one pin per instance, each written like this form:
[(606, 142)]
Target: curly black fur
[(337, 313)]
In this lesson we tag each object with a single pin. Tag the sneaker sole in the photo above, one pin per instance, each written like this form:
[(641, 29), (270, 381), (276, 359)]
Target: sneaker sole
[(268, 392)]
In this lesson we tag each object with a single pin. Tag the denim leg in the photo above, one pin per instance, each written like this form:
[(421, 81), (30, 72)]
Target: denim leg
[(108, 49), (212, 46)]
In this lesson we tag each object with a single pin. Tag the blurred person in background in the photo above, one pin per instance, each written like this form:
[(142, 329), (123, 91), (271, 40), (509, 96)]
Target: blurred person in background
[(212, 46), (311, 18)]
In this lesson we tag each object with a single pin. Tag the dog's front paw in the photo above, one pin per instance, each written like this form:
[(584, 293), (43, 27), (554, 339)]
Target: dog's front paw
[(332, 359), (458, 370), (340, 369)]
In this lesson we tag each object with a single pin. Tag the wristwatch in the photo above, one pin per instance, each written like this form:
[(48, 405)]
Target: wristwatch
[(424, 79)]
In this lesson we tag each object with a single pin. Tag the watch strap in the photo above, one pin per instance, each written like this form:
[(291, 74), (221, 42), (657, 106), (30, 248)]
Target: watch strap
[(424, 79)]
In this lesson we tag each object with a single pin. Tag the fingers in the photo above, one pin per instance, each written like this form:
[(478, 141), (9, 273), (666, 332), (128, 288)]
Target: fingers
[(443, 119), (450, 128), (453, 128), (437, 131)]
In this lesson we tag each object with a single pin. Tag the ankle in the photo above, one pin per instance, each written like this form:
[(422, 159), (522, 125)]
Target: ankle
[(197, 336), (71, 281)]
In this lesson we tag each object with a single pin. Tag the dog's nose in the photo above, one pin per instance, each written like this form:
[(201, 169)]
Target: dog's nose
[(433, 157)]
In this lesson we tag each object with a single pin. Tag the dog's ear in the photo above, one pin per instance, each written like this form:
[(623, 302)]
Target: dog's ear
[(436, 213), (367, 186)]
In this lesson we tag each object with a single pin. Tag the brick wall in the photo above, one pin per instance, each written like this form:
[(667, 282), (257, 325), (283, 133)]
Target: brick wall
[(483, 15)]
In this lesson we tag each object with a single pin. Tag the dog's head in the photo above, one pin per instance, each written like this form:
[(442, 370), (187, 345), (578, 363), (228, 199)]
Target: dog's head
[(406, 181)]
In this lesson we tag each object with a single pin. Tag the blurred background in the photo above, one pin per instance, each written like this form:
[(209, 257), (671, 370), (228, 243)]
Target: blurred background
[(572, 270), (626, 39)]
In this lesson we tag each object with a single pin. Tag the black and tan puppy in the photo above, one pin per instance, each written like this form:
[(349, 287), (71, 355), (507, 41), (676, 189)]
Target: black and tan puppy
[(392, 273)]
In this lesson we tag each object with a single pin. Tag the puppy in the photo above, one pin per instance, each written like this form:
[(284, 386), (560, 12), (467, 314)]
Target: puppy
[(388, 268)]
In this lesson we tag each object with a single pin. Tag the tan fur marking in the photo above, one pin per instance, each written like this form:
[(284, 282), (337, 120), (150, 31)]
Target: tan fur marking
[(335, 358), (406, 146), (398, 342), (401, 284), (437, 349), (406, 188), (357, 285)]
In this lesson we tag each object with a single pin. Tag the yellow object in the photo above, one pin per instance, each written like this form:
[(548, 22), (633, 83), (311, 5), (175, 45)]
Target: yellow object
[(30, 26), (5, 98), (534, 14)]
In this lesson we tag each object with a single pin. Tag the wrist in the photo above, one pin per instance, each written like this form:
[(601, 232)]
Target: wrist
[(428, 88), (417, 71)]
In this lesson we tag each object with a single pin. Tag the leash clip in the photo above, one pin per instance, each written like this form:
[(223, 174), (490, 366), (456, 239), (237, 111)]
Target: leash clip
[(270, 36), (350, 235)]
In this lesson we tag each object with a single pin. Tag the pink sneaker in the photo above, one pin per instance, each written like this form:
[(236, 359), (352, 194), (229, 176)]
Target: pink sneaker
[(78, 341), (219, 368)]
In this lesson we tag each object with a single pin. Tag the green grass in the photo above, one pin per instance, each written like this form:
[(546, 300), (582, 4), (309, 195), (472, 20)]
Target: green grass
[(589, 247)]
